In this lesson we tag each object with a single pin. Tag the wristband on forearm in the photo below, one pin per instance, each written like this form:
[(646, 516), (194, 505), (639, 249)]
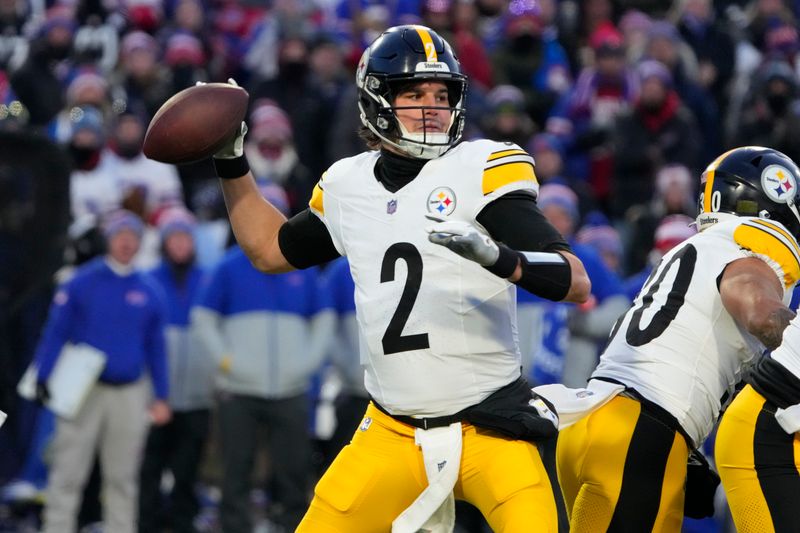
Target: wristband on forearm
[(229, 169), (506, 262), (545, 274)]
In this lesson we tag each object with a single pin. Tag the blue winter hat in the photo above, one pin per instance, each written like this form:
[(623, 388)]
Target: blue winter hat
[(176, 219), (121, 220), (651, 68), (546, 141), (560, 196), (87, 118)]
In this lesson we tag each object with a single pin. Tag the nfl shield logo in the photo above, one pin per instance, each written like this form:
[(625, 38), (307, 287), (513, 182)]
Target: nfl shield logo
[(391, 207)]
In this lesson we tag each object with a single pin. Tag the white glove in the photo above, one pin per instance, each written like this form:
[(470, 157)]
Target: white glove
[(464, 239), (235, 147)]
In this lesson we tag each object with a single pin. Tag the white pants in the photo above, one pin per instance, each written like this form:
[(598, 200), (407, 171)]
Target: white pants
[(114, 421)]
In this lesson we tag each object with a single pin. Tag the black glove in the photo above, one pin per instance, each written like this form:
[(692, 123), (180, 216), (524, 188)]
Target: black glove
[(701, 487), (42, 393)]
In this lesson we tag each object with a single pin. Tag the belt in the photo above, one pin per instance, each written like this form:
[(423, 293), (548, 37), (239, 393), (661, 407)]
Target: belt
[(423, 423)]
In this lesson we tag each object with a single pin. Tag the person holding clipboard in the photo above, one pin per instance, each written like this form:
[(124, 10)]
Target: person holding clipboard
[(112, 309)]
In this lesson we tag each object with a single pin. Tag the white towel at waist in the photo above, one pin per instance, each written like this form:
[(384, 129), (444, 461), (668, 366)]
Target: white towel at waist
[(434, 509), (789, 418), (573, 404)]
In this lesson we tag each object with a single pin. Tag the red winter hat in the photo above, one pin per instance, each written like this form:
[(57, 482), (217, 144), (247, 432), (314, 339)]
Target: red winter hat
[(183, 48), (269, 121)]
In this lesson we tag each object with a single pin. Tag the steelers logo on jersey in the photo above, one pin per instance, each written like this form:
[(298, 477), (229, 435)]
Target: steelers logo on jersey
[(442, 201), (779, 183)]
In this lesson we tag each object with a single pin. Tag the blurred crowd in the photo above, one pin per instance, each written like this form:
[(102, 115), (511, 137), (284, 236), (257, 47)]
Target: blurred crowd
[(620, 102)]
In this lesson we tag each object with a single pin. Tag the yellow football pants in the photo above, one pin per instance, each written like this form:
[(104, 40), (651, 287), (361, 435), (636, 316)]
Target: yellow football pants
[(381, 472), (759, 464), (621, 469)]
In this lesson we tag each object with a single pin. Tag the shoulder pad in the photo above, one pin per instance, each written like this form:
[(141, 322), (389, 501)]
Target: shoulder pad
[(506, 164), (774, 243)]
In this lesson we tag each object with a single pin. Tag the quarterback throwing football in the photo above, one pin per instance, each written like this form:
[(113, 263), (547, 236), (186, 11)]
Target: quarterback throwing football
[(437, 232)]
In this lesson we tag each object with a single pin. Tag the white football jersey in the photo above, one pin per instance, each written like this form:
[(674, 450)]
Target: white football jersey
[(677, 345), (438, 332)]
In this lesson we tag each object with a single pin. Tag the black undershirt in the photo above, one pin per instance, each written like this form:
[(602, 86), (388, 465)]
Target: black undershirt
[(513, 219)]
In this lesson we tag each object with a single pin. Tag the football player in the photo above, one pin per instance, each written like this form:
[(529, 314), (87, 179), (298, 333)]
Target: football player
[(437, 232), (757, 449), (711, 305)]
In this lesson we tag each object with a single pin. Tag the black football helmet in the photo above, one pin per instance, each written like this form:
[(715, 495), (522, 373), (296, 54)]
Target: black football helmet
[(751, 181), (402, 55)]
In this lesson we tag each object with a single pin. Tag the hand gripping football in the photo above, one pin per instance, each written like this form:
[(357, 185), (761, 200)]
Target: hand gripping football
[(195, 123)]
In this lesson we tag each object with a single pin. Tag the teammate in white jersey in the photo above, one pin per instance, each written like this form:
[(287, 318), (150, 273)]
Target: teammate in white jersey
[(438, 328), (712, 304)]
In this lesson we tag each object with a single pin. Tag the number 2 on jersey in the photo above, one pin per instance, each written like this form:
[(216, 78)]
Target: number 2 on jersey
[(393, 339)]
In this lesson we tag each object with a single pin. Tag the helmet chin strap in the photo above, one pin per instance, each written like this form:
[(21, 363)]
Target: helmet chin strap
[(419, 145), (416, 144)]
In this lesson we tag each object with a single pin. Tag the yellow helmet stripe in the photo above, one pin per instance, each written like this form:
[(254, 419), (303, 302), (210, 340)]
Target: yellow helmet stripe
[(427, 43), (710, 170)]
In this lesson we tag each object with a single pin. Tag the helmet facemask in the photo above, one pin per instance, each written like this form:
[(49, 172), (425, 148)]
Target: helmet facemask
[(380, 115)]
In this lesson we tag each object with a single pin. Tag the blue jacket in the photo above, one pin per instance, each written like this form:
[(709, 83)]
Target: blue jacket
[(345, 350), (191, 370), (123, 316), (272, 328)]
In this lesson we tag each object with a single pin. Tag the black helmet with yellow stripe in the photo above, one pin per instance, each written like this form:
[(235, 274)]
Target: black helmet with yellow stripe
[(751, 181), (403, 55)]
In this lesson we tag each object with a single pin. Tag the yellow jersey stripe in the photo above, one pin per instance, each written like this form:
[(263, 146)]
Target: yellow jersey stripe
[(316, 203), (791, 240), (762, 241), (709, 174), (427, 43), (502, 175), (504, 153)]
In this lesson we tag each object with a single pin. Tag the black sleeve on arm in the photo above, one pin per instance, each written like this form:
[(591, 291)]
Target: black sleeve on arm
[(515, 220), (304, 241), (519, 226)]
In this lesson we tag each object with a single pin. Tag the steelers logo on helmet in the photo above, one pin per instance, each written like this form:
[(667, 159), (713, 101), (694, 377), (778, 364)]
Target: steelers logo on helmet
[(779, 184), (442, 201)]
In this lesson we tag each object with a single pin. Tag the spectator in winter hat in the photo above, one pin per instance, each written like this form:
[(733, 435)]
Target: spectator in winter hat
[(177, 446), (548, 152), (186, 58), (674, 194), (671, 231), (114, 310), (606, 241), (559, 204), (506, 118), (145, 15), (35, 82), (88, 88), (122, 220), (273, 156), (635, 27)]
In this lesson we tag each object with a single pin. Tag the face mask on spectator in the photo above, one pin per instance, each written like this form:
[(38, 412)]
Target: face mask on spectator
[(778, 102), (84, 158)]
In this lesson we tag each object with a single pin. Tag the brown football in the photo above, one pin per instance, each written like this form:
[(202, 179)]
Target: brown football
[(195, 123)]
